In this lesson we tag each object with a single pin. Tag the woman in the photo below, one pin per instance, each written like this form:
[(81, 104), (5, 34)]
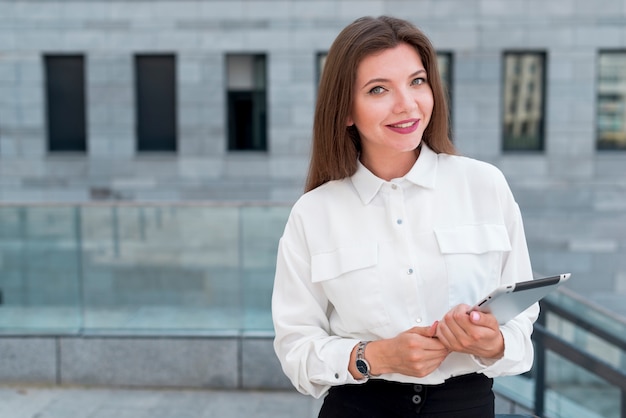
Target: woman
[(393, 239)]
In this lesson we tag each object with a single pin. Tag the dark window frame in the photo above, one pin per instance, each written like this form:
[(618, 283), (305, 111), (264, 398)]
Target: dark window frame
[(66, 103), (156, 117), (318, 67), (247, 140), (598, 144), (541, 140), (448, 84), (448, 88)]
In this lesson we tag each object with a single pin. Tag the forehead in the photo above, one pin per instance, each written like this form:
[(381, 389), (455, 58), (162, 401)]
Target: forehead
[(401, 60)]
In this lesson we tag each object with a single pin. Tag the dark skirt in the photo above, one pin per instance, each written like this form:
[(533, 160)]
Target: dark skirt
[(468, 396)]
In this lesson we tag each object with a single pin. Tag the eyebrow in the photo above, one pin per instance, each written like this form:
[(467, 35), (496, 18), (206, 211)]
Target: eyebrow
[(385, 80)]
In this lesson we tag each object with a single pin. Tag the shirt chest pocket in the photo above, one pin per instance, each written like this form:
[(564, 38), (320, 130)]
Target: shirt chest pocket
[(352, 282), (473, 256)]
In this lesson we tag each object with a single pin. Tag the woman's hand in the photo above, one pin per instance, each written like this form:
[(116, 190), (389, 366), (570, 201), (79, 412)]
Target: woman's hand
[(414, 352), (475, 333)]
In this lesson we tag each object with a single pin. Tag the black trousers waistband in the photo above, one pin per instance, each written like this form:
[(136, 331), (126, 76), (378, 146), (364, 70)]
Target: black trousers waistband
[(466, 396)]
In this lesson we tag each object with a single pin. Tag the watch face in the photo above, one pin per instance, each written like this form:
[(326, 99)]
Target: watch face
[(361, 366)]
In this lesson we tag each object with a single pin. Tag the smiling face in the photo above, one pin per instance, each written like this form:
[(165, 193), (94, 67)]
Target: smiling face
[(391, 108)]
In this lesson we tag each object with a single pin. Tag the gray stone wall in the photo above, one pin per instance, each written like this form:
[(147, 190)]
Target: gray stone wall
[(225, 364), (573, 197), (218, 362)]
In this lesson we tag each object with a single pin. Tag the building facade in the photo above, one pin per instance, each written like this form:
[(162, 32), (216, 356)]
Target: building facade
[(213, 100)]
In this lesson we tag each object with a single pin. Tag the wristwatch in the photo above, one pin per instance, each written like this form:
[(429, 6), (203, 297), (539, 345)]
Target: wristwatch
[(361, 364)]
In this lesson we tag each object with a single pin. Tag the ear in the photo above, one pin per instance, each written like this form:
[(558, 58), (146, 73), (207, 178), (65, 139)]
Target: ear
[(349, 121)]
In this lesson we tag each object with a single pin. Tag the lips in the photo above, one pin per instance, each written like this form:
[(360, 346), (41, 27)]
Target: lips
[(405, 126)]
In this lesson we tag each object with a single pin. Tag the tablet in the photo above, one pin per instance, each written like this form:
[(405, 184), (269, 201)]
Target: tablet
[(508, 301)]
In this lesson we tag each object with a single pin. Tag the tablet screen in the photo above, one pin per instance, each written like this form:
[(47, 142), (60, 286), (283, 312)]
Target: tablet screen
[(508, 301)]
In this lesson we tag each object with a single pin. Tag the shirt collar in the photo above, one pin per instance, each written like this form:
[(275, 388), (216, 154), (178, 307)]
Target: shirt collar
[(423, 173)]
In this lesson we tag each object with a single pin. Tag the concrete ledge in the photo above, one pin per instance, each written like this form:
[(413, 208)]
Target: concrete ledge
[(260, 368), (131, 361), (167, 362), (28, 360), (208, 362)]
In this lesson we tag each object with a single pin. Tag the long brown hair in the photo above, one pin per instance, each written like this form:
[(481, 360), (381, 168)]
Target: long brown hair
[(336, 146)]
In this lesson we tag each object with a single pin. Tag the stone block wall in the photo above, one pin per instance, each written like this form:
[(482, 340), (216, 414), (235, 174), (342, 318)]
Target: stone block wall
[(573, 197), (216, 362)]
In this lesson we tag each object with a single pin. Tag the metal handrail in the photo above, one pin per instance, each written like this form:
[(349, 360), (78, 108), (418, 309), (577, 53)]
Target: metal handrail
[(618, 340), (546, 340)]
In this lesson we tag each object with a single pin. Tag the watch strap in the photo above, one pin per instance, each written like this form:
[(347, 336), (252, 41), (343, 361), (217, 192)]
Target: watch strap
[(361, 364)]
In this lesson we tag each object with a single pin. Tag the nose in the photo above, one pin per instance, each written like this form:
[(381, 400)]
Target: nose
[(405, 101)]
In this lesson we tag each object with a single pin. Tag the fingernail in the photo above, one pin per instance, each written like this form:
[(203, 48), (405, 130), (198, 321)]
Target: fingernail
[(475, 316)]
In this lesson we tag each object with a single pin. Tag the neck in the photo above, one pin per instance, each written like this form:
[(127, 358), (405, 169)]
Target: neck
[(392, 166)]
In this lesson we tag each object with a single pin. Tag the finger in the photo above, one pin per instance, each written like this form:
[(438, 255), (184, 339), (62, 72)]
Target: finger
[(453, 330), (425, 331), (457, 322), (475, 317), (483, 319), (433, 329), (443, 335), (429, 341)]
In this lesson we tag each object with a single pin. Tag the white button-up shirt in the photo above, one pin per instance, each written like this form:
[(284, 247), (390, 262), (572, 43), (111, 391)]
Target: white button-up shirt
[(364, 259)]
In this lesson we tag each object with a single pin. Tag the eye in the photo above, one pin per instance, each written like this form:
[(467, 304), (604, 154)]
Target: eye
[(376, 90), (419, 80)]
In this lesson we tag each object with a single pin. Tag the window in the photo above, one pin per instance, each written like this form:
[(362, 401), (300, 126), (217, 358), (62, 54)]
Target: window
[(247, 115), (155, 78), (523, 102), (444, 62), (611, 112), (320, 60), (65, 102)]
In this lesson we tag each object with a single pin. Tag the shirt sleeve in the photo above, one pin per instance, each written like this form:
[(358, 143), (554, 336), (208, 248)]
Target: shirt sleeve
[(518, 349), (312, 359)]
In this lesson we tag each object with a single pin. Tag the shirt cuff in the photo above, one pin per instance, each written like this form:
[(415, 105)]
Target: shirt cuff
[(508, 355), (339, 363)]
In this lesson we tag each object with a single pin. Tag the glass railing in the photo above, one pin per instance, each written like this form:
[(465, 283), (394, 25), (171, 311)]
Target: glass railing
[(580, 362), (206, 269), (138, 268)]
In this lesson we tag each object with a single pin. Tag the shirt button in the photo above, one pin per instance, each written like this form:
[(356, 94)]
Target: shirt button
[(418, 320), (409, 271), (336, 375), (394, 186), (399, 221), (416, 399)]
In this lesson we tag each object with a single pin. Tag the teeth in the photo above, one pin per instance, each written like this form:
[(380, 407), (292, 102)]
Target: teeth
[(404, 125)]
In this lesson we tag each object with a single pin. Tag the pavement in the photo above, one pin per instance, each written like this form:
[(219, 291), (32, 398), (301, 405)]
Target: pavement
[(81, 402), (95, 402)]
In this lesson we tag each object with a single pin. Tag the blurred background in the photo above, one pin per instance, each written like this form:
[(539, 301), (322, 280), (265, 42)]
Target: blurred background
[(150, 152)]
